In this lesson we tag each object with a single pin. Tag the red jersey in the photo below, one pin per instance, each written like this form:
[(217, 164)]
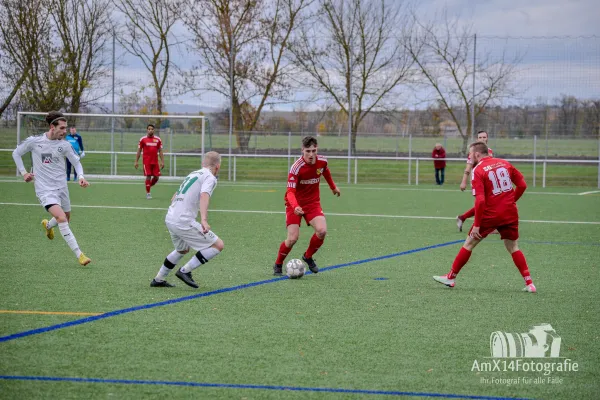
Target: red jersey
[(303, 182), (441, 153), (150, 147), (469, 161), (492, 180)]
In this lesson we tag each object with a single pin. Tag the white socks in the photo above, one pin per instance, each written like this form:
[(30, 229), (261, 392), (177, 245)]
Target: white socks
[(69, 237), (172, 259), (194, 262), (52, 223)]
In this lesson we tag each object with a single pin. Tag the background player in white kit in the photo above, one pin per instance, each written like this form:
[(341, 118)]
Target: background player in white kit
[(48, 153), (192, 196)]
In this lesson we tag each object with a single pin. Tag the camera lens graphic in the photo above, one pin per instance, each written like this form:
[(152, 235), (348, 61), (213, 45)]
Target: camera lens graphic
[(541, 341), (504, 344)]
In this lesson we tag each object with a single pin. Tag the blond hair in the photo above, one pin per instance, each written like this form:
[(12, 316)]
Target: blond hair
[(211, 159), (479, 147)]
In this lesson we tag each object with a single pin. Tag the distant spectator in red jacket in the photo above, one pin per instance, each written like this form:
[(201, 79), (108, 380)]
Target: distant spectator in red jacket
[(440, 165)]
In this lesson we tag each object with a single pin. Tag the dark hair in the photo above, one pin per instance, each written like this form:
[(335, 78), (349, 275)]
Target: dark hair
[(54, 116), (150, 125), (308, 141), (486, 134), (479, 147)]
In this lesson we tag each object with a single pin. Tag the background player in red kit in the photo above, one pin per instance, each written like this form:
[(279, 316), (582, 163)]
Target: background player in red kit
[(152, 147), (302, 200), (495, 208), (482, 136)]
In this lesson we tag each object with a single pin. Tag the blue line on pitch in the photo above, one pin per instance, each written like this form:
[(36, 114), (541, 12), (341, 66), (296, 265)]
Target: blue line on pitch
[(262, 387), (205, 294), (560, 243)]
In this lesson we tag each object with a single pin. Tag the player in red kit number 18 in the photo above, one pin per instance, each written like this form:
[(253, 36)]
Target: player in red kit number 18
[(482, 136), (492, 180), (302, 200)]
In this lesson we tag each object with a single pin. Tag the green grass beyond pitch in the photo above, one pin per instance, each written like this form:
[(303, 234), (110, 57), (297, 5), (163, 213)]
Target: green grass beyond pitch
[(341, 328)]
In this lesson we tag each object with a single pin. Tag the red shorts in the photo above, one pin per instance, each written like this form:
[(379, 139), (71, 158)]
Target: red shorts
[(151, 170), (508, 231), (310, 211)]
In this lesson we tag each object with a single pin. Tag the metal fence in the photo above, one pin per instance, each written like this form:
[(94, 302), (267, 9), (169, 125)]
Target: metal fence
[(412, 170)]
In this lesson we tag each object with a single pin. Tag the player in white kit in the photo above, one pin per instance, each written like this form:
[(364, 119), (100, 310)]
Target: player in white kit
[(192, 196), (48, 153)]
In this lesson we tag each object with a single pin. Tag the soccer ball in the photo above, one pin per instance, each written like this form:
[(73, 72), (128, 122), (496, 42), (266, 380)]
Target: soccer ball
[(294, 269)]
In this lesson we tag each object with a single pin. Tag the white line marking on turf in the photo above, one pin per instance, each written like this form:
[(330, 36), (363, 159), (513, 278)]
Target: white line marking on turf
[(330, 214), (592, 192), (282, 186)]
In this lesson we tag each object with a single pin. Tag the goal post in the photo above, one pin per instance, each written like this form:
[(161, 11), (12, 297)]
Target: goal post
[(110, 140)]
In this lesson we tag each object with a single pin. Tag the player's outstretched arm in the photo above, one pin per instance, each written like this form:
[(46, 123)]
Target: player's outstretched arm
[(17, 155), (330, 182), (479, 193), (204, 201), (463, 184), (519, 181), (137, 157), (74, 159)]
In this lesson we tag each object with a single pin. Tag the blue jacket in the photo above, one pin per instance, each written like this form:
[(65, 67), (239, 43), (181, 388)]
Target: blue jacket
[(76, 142)]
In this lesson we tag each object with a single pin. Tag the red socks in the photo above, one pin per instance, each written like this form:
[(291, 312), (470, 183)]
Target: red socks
[(467, 214), (519, 260), (283, 252), (461, 259), (314, 245), (150, 183)]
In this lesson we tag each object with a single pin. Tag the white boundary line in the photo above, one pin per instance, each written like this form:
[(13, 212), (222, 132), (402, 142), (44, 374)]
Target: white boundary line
[(592, 192), (279, 185), (328, 214)]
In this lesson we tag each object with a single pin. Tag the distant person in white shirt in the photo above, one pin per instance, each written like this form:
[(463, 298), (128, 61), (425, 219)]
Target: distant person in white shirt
[(48, 153), (192, 196)]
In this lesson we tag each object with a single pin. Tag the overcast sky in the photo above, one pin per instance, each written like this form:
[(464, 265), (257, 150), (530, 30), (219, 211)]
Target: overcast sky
[(549, 67), (523, 17)]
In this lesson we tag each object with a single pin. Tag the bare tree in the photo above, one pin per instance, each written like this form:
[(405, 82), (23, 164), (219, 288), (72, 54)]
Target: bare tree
[(251, 37), (570, 111), (23, 27), (84, 27), (443, 53), (47, 86), (592, 118), (354, 48), (147, 34)]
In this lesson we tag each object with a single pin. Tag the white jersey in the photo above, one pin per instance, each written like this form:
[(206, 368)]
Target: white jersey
[(48, 159), (186, 203)]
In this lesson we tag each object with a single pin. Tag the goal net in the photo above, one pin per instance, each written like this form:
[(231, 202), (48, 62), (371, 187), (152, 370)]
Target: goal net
[(110, 141)]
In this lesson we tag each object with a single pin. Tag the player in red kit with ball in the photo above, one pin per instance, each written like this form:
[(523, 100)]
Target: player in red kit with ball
[(482, 136), (302, 200), (152, 147), (492, 180)]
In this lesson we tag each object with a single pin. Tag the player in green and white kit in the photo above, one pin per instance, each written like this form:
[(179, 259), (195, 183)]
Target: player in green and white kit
[(186, 232), (48, 153)]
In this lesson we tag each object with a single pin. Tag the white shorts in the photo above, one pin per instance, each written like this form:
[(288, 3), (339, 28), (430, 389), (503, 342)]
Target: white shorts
[(191, 237), (55, 196)]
